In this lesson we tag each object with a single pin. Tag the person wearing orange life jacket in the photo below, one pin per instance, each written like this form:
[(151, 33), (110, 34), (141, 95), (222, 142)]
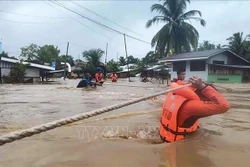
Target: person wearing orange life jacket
[(182, 109), (180, 76), (113, 77), (98, 77)]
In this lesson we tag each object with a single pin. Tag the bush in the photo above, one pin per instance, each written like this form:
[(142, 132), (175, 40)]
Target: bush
[(16, 74)]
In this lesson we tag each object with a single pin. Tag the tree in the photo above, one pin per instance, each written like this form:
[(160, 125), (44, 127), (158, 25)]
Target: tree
[(48, 53), (239, 45), (30, 52), (176, 33), (67, 58), (4, 54), (113, 66), (206, 45), (93, 56), (151, 58), (122, 61), (218, 46), (17, 74), (132, 60)]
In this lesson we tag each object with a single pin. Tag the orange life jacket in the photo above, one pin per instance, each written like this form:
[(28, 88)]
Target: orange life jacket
[(169, 129), (113, 77)]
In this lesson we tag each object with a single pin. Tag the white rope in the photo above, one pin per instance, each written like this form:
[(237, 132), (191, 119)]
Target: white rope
[(8, 138)]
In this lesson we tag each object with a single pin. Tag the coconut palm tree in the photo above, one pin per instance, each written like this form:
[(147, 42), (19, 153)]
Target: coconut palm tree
[(93, 56), (176, 34), (206, 45), (122, 61), (238, 44)]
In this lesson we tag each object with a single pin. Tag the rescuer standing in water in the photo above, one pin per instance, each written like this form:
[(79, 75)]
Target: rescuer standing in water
[(182, 109)]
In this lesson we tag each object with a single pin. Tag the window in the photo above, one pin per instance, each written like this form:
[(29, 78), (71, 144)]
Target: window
[(218, 62), (198, 65), (180, 65)]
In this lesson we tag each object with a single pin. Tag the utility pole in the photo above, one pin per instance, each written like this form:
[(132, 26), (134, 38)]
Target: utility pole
[(0, 61), (106, 53), (125, 44), (67, 51), (117, 57)]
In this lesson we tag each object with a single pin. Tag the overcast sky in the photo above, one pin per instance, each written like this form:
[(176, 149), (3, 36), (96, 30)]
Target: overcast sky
[(223, 19)]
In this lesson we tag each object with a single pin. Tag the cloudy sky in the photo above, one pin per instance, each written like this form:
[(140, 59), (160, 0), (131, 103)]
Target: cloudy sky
[(43, 23)]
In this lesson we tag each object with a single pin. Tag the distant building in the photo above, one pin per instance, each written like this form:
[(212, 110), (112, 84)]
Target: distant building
[(218, 65), (33, 71)]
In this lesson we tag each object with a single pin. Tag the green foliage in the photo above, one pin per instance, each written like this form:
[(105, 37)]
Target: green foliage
[(48, 53), (206, 45), (151, 58), (113, 66), (5, 54), (122, 61), (176, 34), (17, 74), (67, 58), (30, 52), (37, 54), (93, 56), (239, 45), (132, 60)]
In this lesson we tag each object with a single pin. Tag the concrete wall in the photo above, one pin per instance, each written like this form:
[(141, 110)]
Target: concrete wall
[(225, 78), (219, 57), (5, 71), (32, 72), (189, 74)]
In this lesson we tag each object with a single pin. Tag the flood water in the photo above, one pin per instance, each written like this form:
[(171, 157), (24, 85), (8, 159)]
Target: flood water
[(222, 140)]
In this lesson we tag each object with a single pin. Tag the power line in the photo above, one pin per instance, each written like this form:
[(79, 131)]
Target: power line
[(79, 45), (103, 17), (26, 22), (100, 24), (62, 4), (76, 20), (3, 11)]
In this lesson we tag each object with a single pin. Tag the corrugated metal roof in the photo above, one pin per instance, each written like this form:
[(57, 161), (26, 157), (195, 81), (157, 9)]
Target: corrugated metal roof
[(194, 55), (27, 63)]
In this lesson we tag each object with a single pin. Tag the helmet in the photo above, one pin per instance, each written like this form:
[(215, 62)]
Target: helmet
[(98, 69)]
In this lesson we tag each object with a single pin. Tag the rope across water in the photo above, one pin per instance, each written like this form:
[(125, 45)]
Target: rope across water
[(58, 123)]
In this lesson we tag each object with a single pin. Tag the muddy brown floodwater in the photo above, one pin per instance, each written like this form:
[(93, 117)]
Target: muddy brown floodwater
[(123, 137)]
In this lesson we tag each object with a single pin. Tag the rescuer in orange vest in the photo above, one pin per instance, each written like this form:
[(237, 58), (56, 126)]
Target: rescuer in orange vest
[(182, 109), (113, 77), (180, 76)]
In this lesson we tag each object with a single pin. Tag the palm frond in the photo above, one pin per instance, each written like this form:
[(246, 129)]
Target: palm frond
[(181, 7), (156, 19), (190, 14), (161, 9), (202, 22)]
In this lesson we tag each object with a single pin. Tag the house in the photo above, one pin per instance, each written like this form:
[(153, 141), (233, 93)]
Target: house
[(218, 65), (34, 72), (155, 71), (124, 73)]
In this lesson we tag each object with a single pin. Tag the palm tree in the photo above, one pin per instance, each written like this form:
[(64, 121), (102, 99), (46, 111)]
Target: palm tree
[(93, 56), (206, 45), (122, 61), (176, 33), (238, 44)]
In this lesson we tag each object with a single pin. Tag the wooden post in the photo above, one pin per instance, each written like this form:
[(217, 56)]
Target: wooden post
[(106, 53), (125, 44)]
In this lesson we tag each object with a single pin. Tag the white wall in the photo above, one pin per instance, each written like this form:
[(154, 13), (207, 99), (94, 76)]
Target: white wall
[(5, 71), (219, 57), (32, 72), (189, 74)]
